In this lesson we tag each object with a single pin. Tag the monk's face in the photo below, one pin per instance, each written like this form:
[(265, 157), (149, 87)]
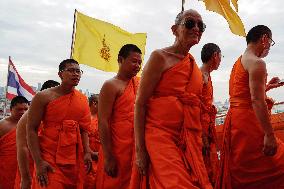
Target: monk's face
[(71, 74), (217, 57), (94, 107), (18, 110), (190, 29), (266, 42), (131, 65)]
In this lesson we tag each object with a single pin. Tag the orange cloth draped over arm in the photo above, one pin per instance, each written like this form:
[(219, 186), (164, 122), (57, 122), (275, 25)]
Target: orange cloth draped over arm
[(122, 131), (90, 179), (173, 131), (8, 160), (208, 116), (243, 164), (60, 140)]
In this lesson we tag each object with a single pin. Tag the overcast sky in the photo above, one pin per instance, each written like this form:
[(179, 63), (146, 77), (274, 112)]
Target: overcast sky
[(37, 35)]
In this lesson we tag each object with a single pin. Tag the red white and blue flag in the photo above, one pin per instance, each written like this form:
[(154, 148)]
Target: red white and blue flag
[(16, 86)]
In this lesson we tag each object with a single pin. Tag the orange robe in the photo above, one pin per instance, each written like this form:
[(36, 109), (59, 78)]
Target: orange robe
[(8, 160), (208, 116), (60, 140), (173, 131), (122, 130), (243, 164), (90, 179)]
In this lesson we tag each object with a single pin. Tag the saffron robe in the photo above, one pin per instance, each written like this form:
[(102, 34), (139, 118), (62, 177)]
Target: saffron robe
[(208, 117), (173, 131), (243, 164), (60, 140), (8, 160), (122, 131), (90, 179)]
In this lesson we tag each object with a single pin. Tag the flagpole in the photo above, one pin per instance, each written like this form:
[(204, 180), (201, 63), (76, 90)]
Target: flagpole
[(73, 33), (6, 89)]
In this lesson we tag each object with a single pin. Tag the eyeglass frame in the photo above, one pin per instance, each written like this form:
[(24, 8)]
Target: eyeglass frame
[(272, 41), (77, 71), (195, 23)]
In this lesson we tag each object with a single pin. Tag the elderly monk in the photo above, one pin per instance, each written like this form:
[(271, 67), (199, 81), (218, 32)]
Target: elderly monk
[(25, 163), (116, 114), (251, 157), (167, 113), (63, 142), (211, 58), (90, 179), (8, 153)]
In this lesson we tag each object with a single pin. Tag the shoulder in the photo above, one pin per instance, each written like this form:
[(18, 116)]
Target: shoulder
[(111, 84), (257, 65)]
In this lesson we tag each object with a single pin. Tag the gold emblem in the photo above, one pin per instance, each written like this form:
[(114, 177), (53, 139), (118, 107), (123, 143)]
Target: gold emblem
[(105, 51)]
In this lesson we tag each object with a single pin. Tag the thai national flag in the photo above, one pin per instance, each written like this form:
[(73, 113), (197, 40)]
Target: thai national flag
[(16, 86)]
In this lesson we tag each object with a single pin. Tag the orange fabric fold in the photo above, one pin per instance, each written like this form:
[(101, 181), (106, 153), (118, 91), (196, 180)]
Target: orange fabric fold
[(90, 179), (243, 164), (208, 116), (122, 130), (60, 140), (8, 160), (173, 131)]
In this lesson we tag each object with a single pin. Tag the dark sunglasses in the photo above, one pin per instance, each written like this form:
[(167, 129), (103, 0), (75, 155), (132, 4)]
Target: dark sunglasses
[(189, 24)]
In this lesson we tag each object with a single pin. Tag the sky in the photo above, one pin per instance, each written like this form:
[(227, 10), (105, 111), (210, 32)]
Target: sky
[(37, 35)]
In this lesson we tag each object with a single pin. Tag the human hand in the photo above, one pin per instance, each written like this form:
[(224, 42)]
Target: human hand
[(270, 145), (274, 83), (88, 161), (142, 160), (110, 166), (42, 168)]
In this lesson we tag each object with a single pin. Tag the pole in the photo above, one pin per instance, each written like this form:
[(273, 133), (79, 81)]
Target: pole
[(6, 89), (73, 33)]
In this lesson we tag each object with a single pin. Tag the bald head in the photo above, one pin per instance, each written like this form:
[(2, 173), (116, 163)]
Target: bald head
[(185, 14)]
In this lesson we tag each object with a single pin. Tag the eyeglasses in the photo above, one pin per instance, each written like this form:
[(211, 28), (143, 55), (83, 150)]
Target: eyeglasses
[(73, 70), (272, 42), (189, 24)]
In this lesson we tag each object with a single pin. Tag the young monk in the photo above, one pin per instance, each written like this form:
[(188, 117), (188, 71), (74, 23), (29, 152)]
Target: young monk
[(252, 157), (26, 165), (167, 112), (211, 58), (90, 179), (116, 114), (8, 153), (65, 120)]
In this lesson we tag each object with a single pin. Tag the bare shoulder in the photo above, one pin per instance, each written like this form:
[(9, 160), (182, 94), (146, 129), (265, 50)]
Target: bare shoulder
[(256, 65), (45, 96), (156, 62), (111, 86)]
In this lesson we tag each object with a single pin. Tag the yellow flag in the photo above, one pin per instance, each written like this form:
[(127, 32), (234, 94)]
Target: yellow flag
[(224, 8), (96, 43)]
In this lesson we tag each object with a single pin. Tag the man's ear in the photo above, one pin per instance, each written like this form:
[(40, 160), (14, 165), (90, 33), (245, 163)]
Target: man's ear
[(174, 29), (60, 74), (119, 59)]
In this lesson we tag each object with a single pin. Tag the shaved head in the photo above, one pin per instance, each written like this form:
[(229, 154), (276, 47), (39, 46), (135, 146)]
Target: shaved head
[(186, 13)]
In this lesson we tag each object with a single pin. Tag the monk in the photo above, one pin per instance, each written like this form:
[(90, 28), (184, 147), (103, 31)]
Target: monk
[(25, 163), (211, 58), (90, 179), (167, 113), (8, 153), (63, 144), (251, 157), (116, 115)]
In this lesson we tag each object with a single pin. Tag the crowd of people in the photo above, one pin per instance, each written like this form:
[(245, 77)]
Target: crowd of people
[(153, 132)]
